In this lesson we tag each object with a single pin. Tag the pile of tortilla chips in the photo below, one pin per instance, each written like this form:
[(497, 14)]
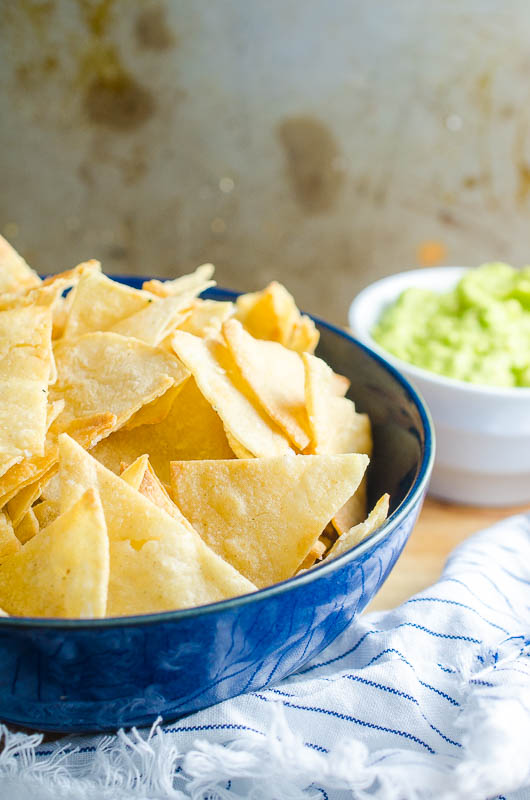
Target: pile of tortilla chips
[(160, 451)]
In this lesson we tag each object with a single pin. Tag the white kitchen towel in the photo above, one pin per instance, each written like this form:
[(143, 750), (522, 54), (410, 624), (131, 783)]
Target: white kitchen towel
[(430, 700)]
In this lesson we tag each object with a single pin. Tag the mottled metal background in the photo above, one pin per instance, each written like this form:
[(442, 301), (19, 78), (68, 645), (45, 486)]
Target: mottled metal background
[(321, 143)]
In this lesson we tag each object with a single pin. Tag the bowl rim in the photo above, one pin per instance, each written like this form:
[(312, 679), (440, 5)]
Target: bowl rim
[(414, 496), (517, 393)]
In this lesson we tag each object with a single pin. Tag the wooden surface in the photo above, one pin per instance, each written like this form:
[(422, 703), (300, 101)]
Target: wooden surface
[(440, 527)]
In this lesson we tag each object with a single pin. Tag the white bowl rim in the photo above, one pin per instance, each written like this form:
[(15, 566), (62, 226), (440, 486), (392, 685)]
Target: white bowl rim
[(466, 387)]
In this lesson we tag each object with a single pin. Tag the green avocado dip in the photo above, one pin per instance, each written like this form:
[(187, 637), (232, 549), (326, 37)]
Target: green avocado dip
[(479, 332)]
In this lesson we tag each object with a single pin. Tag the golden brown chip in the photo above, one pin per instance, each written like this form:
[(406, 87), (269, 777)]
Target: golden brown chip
[(156, 562), (106, 372), (263, 515), (272, 314), (191, 430), (218, 379), (63, 570), (336, 427), (15, 275), (189, 285), (28, 527), (25, 364), (98, 303), (359, 532), (9, 543), (276, 377)]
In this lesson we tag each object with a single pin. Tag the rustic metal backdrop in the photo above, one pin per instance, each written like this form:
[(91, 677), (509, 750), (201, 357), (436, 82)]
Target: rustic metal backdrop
[(322, 143)]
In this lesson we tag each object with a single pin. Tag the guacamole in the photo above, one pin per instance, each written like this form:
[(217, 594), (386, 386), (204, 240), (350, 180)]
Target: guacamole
[(479, 332)]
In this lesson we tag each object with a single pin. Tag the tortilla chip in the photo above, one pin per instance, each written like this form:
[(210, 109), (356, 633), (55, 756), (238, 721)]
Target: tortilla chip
[(154, 322), (22, 502), (106, 372), (142, 477), (206, 318), (134, 473), (304, 336), (217, 377), (276, 377), (189, 285), (98, 303), (336, 427), (63, 571), (156, 563), (87, 432), (46, 512), (28, 471), (9, 543), (25, 363), (28, 527), (191, 430), (314, 555), (272, 314), (157, 410), (263, 515), (71, 277), (47, 293), (359, 532), (15, 275)]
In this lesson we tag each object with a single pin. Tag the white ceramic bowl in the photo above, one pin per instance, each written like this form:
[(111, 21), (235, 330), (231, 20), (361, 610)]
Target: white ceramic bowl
[(482, 432)]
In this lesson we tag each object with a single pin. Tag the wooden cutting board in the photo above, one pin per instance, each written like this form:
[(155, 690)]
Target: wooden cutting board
[(440, 527)]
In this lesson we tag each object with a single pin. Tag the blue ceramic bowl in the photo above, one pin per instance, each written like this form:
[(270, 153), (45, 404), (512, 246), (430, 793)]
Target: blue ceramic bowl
[(99, 675)]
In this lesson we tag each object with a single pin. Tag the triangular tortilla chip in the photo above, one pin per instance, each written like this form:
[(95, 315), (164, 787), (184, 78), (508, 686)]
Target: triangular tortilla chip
[(63, 571), (157, 563), (133, 474), (28, 527), (25, 364), (359, 532), (154, 322), (9, 543), (142, 477), (15, 275), (336, 427), (98, 303), (206, 317), (218, 379), (190, 430), (276, 376), (189, 285), (106, 372), (263, 515), (48, 293), (272, 314)]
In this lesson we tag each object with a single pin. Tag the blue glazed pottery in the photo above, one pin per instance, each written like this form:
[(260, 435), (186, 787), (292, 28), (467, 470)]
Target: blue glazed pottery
[(99, 675)]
